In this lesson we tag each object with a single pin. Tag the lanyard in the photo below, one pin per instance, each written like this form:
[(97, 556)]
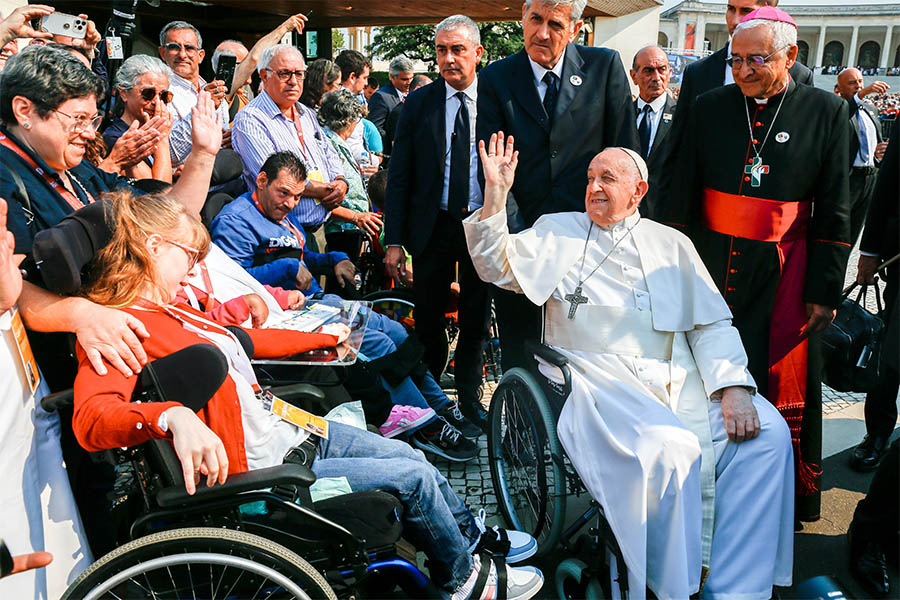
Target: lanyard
[(285, 222), (295, 117), (70, 198), (211, 302)]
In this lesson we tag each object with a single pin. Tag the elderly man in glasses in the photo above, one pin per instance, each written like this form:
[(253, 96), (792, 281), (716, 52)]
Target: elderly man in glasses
[(762, 187), (274, 121), (181, 47)]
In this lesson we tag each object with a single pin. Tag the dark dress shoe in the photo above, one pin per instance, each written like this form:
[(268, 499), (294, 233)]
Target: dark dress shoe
[(475, 414), (870, 569), (869, 453)]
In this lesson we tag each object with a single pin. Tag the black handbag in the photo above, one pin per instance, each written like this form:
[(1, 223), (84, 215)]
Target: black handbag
[(851, 345)]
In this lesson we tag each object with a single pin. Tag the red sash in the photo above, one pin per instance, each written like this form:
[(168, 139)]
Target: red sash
[(70, 198), (786, 224)]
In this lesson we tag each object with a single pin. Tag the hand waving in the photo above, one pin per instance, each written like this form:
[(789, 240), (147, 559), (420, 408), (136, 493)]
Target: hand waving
[(499, 163), (206, 134)]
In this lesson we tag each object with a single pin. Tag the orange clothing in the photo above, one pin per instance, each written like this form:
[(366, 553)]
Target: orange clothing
[(104, 416)]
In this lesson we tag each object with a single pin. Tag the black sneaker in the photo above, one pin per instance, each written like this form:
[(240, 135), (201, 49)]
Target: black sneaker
[(475, 414), (445, 440), (454, 416)]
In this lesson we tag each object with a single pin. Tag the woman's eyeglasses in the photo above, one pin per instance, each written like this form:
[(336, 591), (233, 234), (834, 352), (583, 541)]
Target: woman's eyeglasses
[(80, 123), (192, 253), (148, 94)]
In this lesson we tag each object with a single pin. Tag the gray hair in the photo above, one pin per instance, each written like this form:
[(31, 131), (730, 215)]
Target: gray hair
[(215, 57), (137, 65), (179, 25), (339, 109), (460, 22), (48, 77), (784, 34), (272, 51), (401, 64), (574, 13)]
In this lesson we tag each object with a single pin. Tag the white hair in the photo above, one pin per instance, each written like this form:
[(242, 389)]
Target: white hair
[(272, 51), (137, 65), (215, 57), (784, 34), (574, 12), (401, 64), (460, 22)]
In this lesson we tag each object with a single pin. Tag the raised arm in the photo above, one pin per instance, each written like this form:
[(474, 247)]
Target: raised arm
[(248, 65), (206, 138)]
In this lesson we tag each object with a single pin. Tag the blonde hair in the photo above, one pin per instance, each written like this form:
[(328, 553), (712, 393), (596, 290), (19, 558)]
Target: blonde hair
[(124, 266)]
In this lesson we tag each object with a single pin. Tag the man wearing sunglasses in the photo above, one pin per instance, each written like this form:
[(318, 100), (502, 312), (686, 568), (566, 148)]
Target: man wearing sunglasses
[(761, 185), (181, 48)]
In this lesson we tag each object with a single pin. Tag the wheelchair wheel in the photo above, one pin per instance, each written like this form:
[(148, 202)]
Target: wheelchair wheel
[(526, 459), (398, 304), (200, 562), (574, 581)]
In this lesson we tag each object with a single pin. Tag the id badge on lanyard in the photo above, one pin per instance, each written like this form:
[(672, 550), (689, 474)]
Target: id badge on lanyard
[(288, 412), (26, 356)]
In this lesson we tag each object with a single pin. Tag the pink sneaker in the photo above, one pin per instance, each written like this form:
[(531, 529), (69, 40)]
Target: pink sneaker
[(405, 418)]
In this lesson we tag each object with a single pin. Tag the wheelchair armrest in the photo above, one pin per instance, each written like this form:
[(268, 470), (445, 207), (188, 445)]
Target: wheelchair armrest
[(547, 353), (299, 392), (259, 479), (55, 401)]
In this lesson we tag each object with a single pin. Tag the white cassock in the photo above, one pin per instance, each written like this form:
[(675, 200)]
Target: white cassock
[(36, 503), (648, 350)]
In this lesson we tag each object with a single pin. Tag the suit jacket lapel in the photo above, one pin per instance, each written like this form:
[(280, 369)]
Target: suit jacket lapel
[(572, 67), (716, 72), (664, 125), (435, 120), (527, 94)]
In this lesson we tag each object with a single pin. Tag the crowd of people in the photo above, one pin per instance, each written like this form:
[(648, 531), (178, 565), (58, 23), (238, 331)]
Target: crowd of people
[(683, 251)]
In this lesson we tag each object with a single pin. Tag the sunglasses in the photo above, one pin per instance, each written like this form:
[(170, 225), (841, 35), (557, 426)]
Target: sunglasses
[(173, 47), (148, 94)]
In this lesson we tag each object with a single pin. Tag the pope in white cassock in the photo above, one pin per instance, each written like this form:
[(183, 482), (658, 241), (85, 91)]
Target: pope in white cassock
[(692, 467)]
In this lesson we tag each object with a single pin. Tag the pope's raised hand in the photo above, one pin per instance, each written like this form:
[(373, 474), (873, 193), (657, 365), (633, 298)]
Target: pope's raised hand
[(498, 160)]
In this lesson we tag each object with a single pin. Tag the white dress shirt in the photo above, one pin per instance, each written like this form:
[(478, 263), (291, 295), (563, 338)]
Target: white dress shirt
[(656, 111), (540, 71), (184, 98), (865, 157), (451, 107)]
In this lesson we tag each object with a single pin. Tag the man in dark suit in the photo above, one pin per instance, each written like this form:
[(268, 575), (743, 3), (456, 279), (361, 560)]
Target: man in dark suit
[(654, 109), (867, 146), (563, 103), (391, 94), (390, 125), (433, 185)]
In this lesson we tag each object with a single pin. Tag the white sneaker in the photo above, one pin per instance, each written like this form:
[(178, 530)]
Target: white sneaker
[(522, 583), (493, 541)]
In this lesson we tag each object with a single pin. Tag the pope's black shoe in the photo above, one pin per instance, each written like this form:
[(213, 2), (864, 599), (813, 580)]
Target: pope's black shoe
[(868, 566), (869, 453)]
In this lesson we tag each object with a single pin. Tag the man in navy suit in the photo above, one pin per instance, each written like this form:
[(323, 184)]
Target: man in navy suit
[(563, 103), (432, 186), (654, 109), (391, 94)]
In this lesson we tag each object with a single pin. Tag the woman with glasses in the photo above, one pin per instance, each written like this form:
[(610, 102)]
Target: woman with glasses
[(322, 76), (143, 86)]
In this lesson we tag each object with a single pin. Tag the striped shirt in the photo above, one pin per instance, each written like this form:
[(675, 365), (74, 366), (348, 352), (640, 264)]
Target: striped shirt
[(184, 98), (261, 129)]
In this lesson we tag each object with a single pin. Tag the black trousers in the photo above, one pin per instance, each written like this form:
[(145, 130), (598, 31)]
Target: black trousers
[(862, 184), (877, 515), (881, 403), (433, 272), (519, 321)]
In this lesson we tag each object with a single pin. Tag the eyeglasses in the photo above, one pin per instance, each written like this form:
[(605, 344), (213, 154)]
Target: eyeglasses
[(754, 61), (174, 47), (80, 123), (192, 253), (286, 74), (148, 94)]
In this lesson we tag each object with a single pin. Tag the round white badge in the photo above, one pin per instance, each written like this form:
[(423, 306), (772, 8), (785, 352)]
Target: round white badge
[(575, 80), (782, 136)]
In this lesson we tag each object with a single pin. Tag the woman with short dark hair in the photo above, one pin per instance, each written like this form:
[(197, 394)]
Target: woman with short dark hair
[(322, 76)]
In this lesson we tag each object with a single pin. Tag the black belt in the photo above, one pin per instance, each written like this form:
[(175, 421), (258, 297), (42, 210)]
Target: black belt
[(865, 170), (304, 453)]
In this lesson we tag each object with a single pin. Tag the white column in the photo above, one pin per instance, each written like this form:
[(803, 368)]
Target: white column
[(700, 34), (851, 59), (679, 37), (886, 48), (820, 48)]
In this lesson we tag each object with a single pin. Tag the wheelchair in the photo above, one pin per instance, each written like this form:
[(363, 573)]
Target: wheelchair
[(535, 482), (259, 535)]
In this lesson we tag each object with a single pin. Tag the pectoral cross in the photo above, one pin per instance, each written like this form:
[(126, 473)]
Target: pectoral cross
[(574, 300), (756, 170)]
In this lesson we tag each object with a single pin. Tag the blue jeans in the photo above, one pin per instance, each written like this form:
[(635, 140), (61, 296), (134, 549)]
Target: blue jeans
[(427, 394), (435, 519)]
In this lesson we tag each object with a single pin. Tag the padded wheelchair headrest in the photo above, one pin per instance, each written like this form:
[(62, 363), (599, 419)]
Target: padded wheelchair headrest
[(227, 166), (244, 338), (62, 252), (190, 376)]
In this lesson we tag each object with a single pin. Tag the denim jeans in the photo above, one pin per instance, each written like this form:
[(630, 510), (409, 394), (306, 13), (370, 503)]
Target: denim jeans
[(382, 335), (435, 519), (427, 394)]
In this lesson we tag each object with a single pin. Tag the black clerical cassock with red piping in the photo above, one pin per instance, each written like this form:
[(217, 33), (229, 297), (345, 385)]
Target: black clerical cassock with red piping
[(762, 188)]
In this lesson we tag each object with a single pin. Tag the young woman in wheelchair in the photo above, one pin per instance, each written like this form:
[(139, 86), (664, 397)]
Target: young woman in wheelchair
[(154, 249)]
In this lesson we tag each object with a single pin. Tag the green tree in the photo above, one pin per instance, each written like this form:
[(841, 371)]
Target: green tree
[(337, 39), (416, 42)]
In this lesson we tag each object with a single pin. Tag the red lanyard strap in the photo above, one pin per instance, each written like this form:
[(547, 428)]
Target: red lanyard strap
[(285, 222), (70, 198)]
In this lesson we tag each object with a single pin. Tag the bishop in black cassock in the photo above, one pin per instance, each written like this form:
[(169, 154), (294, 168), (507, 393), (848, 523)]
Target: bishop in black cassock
[(762, 188)]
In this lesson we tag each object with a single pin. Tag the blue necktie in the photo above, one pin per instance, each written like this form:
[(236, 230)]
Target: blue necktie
[(552, 93), (863, 137), (644, 132), (460, 154)]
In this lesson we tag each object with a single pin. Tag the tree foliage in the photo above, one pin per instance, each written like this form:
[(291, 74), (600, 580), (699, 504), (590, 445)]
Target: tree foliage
[(416, 42), (337, 39)]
